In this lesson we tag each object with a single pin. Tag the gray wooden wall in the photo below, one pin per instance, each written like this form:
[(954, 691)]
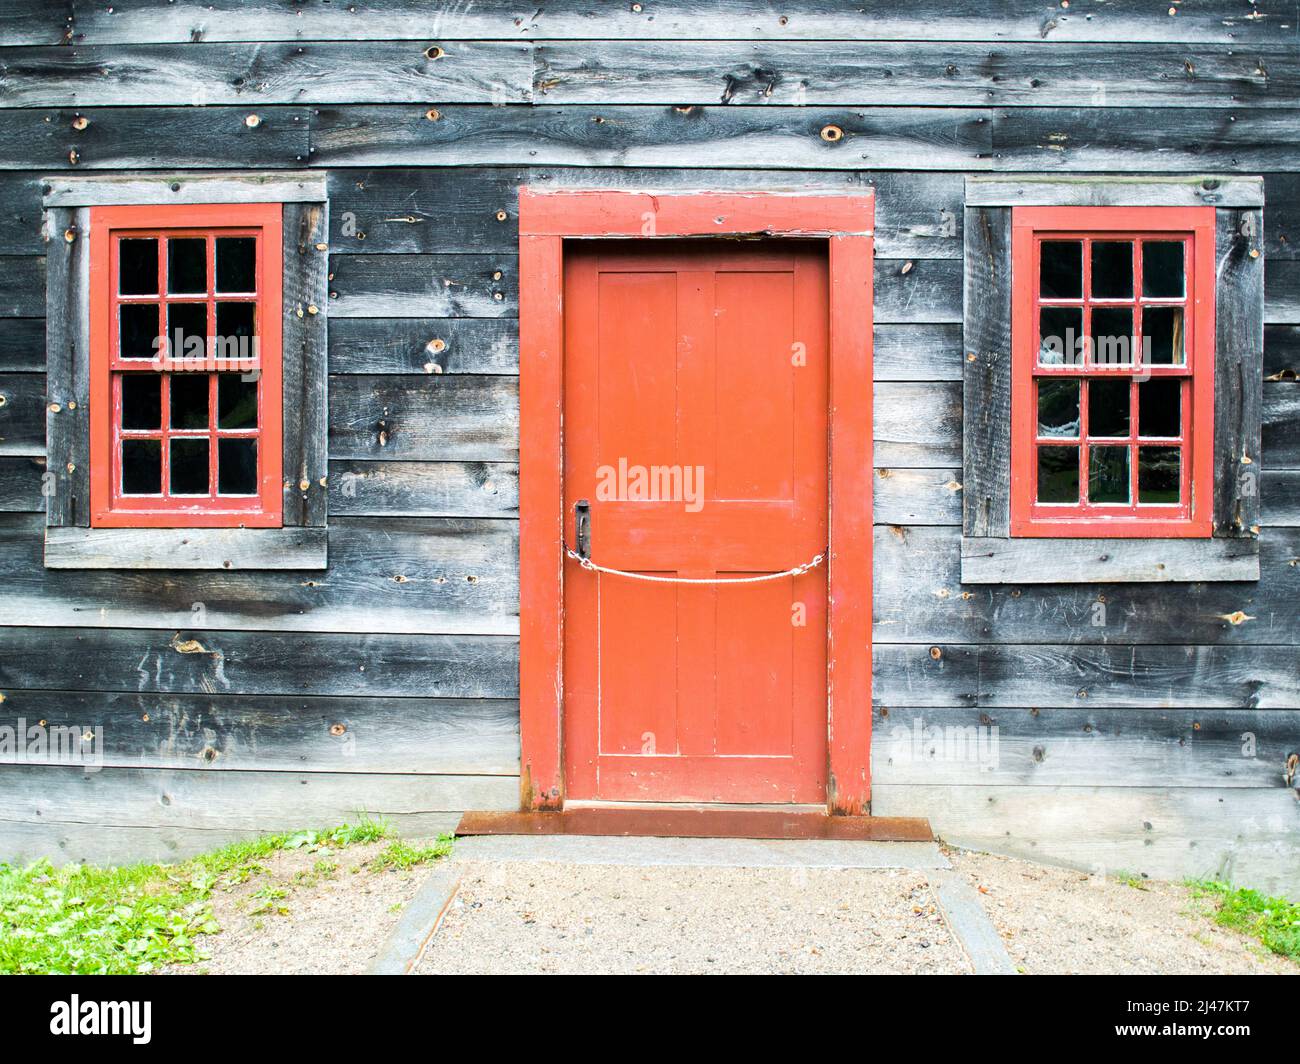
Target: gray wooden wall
[(1121, 745)]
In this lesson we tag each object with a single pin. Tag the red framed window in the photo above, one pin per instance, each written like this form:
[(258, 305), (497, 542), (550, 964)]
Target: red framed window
[(185, 366), (1112, 399)]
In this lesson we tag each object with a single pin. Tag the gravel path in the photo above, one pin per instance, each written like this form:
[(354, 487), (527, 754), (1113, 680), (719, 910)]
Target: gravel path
[(528, 916)]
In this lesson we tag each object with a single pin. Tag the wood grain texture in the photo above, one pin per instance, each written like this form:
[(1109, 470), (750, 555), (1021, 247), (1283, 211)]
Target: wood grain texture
[(185, 548), (20, 484), (424, 286), (154, 21), (220, 732), (996, 560), (424, 345), (1238, 370), (422, 489), (986, 378), (1102, 190), (22, 413), (22, 345), (65, 190), (22, 286), (67, 350)]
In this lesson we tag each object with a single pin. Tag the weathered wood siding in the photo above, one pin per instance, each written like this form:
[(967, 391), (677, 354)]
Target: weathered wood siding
[(1140, 726)]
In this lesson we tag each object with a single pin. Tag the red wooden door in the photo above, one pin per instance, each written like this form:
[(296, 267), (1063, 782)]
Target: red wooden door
[(695, 425)]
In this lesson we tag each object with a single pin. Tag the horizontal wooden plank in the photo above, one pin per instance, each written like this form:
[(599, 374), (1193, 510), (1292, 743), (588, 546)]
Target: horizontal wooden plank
[(1219, 21), (1280, 497), (1281, 352), (61, 801), (386, 575), (421, 736), (90, 190), (22, 286), (1104, 190), (1282, 292), (424, 286), (20, 214), (422, 489), (1245, 836), (198, 661), (200, 74), (20, 484), (917, 352), (22, 345), (687, 136), (988, 560), (1137, 677), (917, 424), (424, 345), (919, 597), (1280, 429), (435, 418), (1081, 747), (22, 413), (918, 290), (913, 73), (186, 548)]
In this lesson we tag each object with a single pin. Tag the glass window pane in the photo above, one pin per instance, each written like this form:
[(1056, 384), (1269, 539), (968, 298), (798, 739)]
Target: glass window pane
[(1108, 475), (187, 265), (1058, 408), (1108, 407), (1058, 474), (189, 467), (138, 330), (235, 331), (237, 467), (1061, 269), (141, 467), (1112, 336), (137, 267), (1162, 336), (236, 264), (1112, 269), (236, 401), (187, 330), (189, 400), (1159, 474), (1060, 336), (1160, 407), (1162, 268), (141, 401)]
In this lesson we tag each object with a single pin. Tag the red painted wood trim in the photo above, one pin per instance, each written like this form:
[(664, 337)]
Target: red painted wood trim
[(1193, 517), (545, 220), (108, 508)]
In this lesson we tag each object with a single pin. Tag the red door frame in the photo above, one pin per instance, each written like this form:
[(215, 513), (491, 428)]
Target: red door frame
[(546, 220)]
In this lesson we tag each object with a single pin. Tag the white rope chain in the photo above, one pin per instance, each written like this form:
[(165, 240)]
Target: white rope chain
[(587, 563)]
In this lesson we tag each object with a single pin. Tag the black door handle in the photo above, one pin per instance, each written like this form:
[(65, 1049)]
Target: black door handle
[(582, 528)]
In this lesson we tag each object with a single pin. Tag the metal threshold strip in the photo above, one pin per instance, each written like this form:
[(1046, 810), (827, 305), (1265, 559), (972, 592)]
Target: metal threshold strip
[(698, 822)]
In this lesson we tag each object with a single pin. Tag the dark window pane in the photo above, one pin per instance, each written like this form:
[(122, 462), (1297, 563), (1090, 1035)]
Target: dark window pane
[(236, 264), (187, 330), (141, 401), (1162, 268), (1058, 474), (1108, 407), (189, 401), (236, 401), (1058, 408), (237, 467), (137, 267), (138, 323), (1112, 269), (1108, 475), (141, 467), (187, 265), (235, 331), (1061, 269), (1060, 335), (1159, 474), (189, 467), (1162, 335), (1112, 336), (1160, 407)]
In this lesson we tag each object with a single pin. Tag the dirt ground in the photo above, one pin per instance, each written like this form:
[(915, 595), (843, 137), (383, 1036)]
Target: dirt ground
[(523, 916)]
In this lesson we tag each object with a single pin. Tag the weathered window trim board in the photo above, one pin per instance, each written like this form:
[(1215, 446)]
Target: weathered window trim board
[(300, 543), (103, 190), (186, 548), (988, 554)]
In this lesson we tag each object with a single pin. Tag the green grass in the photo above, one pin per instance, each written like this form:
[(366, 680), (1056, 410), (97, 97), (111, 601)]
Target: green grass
[(85, 920), (1274, 921)]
